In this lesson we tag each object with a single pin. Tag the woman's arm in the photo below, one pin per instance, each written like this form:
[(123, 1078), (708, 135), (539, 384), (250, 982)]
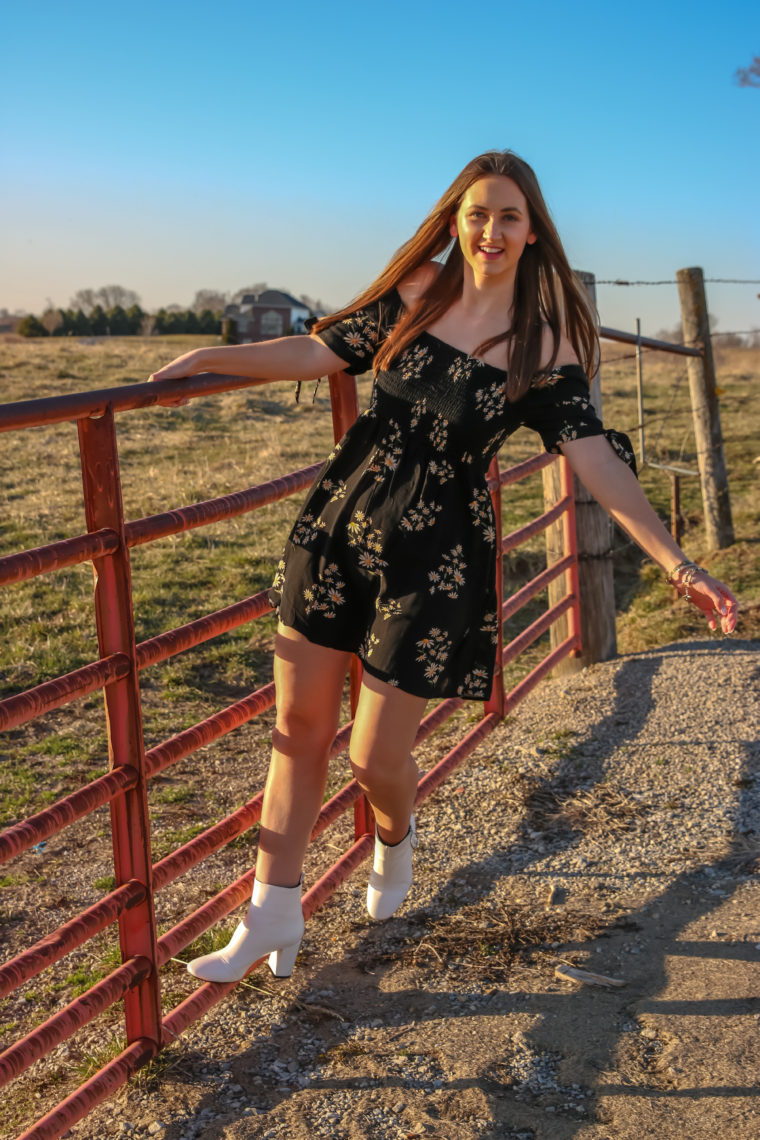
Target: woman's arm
[(287, 358), (616, 488)]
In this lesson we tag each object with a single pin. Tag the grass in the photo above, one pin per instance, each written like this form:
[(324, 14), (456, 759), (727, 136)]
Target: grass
[(171, 457)]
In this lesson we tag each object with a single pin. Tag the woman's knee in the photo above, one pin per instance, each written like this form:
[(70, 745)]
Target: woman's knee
[(302, 731), (374, 762)]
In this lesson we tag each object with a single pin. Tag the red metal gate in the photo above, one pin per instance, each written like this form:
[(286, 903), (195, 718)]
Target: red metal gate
[(107, 543)]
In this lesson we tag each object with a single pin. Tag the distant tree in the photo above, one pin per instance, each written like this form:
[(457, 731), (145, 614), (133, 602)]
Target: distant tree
[(67, 327), (31, 326), (107, 296), (729, 340), (176, 321), (98, 321), (52, 320), (675, 334), (135, 318), (147, 325), (82, 326), (208, 299), (192, 324), (209, 323), (749, 76), (118, 321), (84, 299), (229, 331)]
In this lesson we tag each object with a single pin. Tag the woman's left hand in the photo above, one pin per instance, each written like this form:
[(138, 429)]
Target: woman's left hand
[(714, 599)]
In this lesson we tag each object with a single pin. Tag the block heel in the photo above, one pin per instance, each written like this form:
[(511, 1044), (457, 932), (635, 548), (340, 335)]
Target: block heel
[(281, 962), (273, 926)]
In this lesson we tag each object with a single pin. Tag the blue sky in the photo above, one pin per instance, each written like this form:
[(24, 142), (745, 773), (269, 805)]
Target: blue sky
[(169, 147)]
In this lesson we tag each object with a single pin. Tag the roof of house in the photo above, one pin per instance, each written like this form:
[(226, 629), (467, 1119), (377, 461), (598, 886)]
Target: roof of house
[(273, 297)]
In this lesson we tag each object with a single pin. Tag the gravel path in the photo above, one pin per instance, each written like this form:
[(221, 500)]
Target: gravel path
[(613, 821)]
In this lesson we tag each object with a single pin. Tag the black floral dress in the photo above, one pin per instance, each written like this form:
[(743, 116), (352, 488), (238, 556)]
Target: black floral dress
[(393, 555)]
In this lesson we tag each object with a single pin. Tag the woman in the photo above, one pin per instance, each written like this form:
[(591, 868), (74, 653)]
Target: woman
[(393, 554)]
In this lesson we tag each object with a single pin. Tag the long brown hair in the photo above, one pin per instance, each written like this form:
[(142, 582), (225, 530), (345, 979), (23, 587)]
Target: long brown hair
[(546, 289)]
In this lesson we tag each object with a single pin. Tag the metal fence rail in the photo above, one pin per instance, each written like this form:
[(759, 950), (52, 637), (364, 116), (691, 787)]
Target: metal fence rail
[(131, 904)]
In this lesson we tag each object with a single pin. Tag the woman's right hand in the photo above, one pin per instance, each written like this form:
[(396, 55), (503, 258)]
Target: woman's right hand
[(187, 365)]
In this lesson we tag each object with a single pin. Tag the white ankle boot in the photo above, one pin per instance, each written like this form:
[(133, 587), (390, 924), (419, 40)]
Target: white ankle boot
[(391, 875), (273, 925)]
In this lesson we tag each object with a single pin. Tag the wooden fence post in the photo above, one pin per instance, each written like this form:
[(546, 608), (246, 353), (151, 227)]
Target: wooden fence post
[(594, 529), (705, 410)]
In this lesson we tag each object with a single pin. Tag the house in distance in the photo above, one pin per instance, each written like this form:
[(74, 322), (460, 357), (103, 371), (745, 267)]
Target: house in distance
[(263, 316)]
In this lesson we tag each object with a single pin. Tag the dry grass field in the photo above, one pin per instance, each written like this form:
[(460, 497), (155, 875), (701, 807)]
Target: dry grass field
[(172, 457)]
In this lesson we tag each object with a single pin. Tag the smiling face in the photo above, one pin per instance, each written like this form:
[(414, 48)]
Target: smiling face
[(493, 226)]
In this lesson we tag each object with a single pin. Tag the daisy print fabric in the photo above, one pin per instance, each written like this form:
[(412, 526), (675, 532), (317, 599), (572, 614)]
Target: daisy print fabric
[(393, 556)]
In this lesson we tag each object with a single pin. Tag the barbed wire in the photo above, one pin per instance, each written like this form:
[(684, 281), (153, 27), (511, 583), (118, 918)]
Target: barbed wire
[(707, 280)]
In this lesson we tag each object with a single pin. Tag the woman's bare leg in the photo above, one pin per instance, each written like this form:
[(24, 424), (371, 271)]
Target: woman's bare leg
[(385, 726), (309, 683)]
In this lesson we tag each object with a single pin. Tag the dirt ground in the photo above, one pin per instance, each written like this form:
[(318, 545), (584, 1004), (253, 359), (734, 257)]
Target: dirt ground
[(673, 1054), (449, 1021)]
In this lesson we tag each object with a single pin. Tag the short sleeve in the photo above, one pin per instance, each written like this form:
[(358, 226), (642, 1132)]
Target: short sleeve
[(357, 337), (561, 410)]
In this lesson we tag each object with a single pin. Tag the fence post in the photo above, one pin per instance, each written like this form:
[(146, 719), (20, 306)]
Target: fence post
[(495, 702), (130, 825), (705, 410), (344, 403), (594, 531)]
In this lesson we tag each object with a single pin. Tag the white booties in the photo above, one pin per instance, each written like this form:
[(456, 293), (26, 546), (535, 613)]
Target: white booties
[(273, 925), (391, 875)]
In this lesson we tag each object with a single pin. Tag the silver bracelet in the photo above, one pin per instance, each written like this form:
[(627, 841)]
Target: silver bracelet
[(686, 572)]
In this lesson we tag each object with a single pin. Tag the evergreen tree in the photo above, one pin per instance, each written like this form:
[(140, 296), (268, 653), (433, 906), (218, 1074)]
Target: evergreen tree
[(31, 326), (98, 322), (118, 322), (82, 326), (175, 322), (208, 323), (65, 325), (135, 318), (229, 331)]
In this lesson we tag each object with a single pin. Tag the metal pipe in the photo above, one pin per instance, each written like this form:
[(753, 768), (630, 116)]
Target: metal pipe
[(534, 586), (130, 819), (78, 1013), (82, 405), (61, 942), (436, 775), (29, 563), (536, 628), (521, 690), (495, 702), (649, 342), (640, 394), (516, 537), (21, 836), (50, 695), (209, 730), (527, 467), (570, 545), (173, 641), (214, 510)]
